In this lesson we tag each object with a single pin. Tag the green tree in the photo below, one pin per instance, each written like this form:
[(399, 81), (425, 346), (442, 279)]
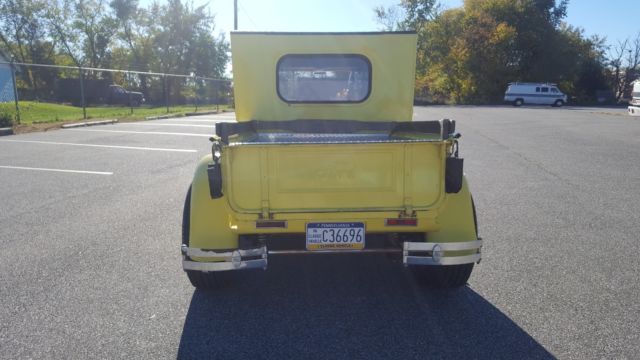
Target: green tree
[(23, 35), (469, 54)]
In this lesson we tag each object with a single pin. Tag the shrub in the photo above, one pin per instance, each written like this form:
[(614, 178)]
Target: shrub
[(6, 119)]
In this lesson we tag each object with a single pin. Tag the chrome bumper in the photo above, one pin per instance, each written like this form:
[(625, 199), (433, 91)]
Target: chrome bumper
[(224, 260), (413, 253), (420, 253)]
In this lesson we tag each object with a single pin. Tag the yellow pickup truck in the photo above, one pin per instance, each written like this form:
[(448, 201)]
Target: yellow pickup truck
[(324, 157)]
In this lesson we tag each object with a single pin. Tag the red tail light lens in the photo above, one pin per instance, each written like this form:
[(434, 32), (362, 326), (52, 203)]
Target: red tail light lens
[(401, 222)]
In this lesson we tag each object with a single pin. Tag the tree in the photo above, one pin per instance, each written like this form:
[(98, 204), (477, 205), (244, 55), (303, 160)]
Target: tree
[(96, 28), (23, 35), (407, 15), (184, 42), (624, 66), (469, 54)]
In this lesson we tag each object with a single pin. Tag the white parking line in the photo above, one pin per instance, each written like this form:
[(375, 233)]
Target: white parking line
[(141, 132), (57, 170), (165, 124), (102, 146)]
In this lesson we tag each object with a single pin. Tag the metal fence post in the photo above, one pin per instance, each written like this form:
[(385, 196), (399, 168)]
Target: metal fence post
[(166, 92), (84, 106), (127, 75), (197, 92), (15, 91)]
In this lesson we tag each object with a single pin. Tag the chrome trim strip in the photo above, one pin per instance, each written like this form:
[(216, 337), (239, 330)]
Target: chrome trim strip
[(413, 259), (347, 251), (453, 260), (334, 142), (456, 246), (224, 260), (225, 254)]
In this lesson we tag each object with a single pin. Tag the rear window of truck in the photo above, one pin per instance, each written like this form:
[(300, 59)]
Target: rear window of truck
[(323, 78)]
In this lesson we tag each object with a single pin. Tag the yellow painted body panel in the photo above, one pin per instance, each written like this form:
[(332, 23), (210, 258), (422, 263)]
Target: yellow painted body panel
[(345, 182), (214, 225), (337, 177), (211, 224), (255, 57)]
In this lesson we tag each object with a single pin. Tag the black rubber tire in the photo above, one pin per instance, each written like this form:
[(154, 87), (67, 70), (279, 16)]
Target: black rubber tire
[(446, 276), (201, 280), (186, 220), (475, 218), (558, 103), (210, 280), (518, 102)]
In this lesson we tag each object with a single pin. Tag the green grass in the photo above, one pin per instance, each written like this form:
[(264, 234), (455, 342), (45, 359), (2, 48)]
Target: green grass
[(36, 112)]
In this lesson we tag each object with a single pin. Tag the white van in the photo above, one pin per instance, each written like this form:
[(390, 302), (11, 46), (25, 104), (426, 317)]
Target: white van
[(634, 108), (534, 93)]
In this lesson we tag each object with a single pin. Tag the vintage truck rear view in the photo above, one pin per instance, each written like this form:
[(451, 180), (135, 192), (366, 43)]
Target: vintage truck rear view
[(325, 158)]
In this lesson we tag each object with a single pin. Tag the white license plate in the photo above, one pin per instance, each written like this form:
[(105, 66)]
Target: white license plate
[(335, 236)]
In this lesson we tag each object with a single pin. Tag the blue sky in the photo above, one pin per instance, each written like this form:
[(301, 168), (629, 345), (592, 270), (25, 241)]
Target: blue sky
[(615, 19)]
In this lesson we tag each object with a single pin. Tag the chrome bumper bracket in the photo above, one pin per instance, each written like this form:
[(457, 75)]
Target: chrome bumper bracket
[(224, 260), (421, 253), (413, 253)]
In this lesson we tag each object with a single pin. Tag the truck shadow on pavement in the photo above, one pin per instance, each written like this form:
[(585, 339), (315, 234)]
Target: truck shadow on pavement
[(351, 307)]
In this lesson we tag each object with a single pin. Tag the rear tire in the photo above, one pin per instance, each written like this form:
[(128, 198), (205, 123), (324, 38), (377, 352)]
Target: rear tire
[(518, 102), (558, 103), (443, 276), (209, 280), (199, 279), (446, 276)]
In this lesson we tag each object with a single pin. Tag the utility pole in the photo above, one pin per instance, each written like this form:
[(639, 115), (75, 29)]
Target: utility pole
[(235, 14)]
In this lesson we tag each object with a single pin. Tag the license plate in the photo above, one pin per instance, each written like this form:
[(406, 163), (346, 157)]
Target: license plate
[(335, 236)]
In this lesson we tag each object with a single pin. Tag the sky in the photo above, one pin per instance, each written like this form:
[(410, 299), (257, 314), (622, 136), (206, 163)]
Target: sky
[(615, 19)]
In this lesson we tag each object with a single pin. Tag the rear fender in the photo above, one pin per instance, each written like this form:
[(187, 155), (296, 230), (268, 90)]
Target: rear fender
[(456, 218), (210, 223)]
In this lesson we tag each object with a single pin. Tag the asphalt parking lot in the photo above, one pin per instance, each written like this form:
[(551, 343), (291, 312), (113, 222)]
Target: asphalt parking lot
[(90, 223)]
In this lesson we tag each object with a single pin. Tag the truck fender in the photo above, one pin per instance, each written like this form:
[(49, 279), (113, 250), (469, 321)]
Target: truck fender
[(210, 219), (456, 218)]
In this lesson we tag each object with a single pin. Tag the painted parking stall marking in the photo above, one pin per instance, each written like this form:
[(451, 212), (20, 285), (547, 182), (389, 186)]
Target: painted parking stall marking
[(101, 146), (56, 170), (141, 132), (164, 124)]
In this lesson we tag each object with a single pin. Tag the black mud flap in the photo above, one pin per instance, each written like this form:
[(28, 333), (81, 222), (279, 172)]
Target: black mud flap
[(215, 180), (453, 175)]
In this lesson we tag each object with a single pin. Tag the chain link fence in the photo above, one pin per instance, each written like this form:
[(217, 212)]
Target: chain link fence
[(40, 93)]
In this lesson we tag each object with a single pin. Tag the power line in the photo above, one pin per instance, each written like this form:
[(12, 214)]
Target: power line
[(247, 14)]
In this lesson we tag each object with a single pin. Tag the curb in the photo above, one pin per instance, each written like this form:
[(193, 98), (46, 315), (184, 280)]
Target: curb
[(201, 113), (89, 123), (160, 117), (6, 131)]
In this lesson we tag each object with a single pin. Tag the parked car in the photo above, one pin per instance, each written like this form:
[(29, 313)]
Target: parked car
[(117, 95), (324, 158), (519, 93)]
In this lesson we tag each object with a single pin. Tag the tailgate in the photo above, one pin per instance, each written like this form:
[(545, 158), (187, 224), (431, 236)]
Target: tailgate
[(334, 177)]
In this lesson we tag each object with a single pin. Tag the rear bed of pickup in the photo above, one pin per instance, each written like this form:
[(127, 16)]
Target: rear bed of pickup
[(269, 186), (324, 157)]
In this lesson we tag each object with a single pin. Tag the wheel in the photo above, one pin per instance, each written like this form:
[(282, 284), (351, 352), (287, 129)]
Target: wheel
[(446, 276), (518, 102), (201, 280), (558, 103), (443, 276)]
